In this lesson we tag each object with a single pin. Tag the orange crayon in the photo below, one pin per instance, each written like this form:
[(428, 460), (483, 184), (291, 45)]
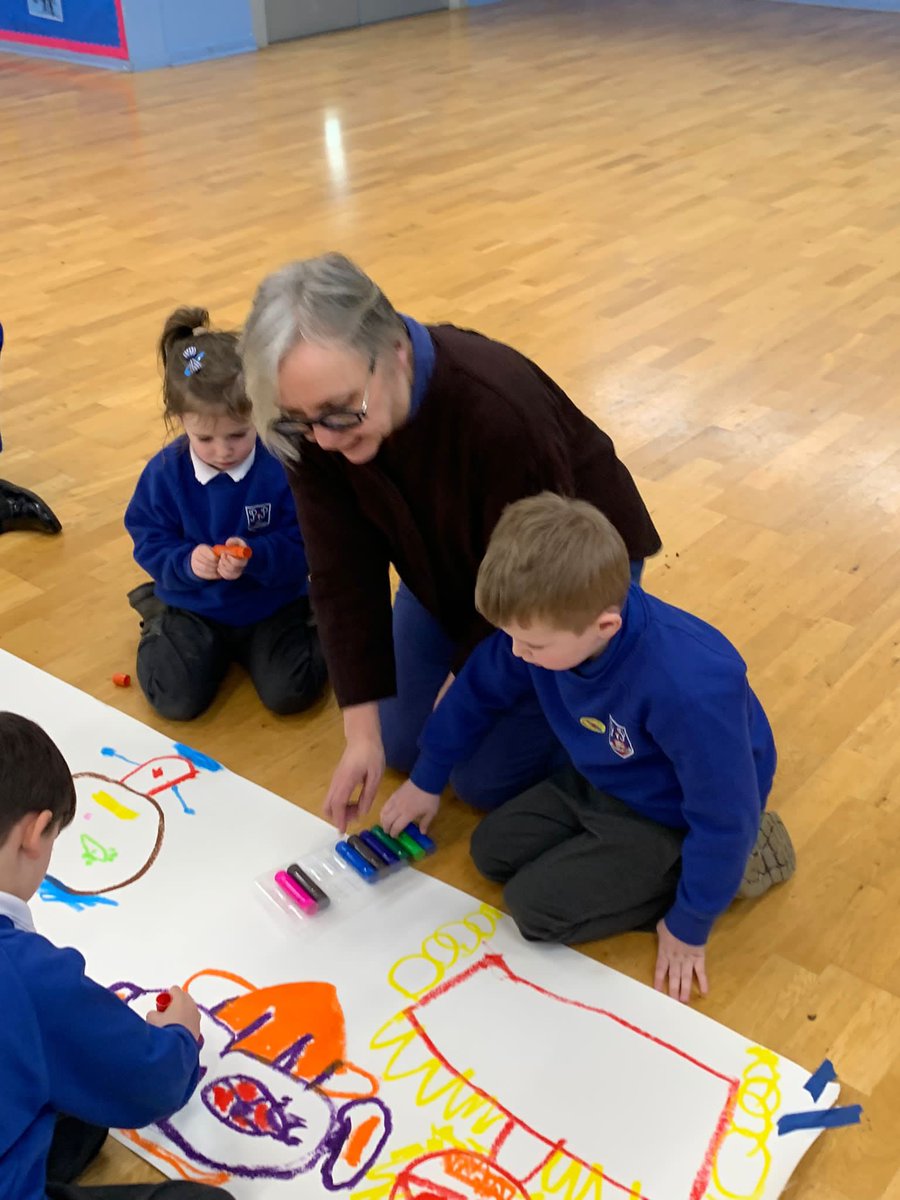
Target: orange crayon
[(234, 551), (121, 680)]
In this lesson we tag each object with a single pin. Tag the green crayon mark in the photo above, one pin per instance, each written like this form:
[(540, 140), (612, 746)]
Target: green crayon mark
[(93, 852)]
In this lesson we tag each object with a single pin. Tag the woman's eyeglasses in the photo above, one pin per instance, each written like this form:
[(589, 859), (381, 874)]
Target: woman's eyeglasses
[(295, 427)]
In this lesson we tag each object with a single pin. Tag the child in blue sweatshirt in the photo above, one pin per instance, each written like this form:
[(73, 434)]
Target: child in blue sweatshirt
[(659, 821), (213, 522), (74, 1058)]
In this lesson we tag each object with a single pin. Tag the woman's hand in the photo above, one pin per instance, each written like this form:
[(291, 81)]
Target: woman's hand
[(358, 774), (445, 687)]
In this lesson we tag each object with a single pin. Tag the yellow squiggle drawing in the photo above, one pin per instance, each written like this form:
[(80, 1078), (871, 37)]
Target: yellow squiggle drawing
[(749, 1131), (573, 1181), (460, 1101), (415, 974)]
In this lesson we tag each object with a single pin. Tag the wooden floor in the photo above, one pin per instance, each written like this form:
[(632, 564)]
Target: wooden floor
[(686, 211)]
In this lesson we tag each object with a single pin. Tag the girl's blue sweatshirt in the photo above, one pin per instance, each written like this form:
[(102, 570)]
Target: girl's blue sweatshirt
[(171, 512)]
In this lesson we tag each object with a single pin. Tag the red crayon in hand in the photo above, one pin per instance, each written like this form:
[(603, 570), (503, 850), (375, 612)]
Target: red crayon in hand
[(234, 551), (163, 1000)]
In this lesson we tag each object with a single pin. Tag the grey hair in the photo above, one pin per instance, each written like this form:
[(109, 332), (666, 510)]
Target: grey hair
[(327, 300)]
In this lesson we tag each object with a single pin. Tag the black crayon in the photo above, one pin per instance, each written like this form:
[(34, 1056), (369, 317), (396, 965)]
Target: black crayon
[(370, 856), (310, 885)]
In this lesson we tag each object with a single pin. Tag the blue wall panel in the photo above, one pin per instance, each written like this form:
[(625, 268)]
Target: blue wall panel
[(83, 26)]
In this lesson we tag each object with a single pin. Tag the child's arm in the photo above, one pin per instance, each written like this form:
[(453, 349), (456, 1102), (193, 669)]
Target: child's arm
[(490, 683), (105, 1064), (707, 739), (160, 547)]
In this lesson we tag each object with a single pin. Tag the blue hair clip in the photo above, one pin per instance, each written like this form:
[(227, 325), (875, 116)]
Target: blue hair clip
[(193, 360)]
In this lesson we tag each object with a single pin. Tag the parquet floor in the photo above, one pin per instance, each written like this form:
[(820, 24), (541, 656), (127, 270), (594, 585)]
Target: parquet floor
[(686, 211)]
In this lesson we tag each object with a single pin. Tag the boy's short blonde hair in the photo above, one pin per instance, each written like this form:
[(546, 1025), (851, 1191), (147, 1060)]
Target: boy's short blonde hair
[(552, 559)]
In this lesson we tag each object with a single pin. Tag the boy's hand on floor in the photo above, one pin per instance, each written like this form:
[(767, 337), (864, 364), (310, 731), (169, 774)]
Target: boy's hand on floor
[(681, 962), (204, 563), (182, 1011), (409, 803)]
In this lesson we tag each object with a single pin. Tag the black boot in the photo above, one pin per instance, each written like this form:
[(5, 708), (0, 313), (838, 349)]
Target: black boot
[(145, 602), (21, 509)]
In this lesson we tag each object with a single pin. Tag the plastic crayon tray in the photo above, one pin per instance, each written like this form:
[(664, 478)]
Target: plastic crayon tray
[(345, 887)]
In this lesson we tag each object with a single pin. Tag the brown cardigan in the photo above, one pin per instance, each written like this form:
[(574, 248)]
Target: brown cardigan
[(491, 429)]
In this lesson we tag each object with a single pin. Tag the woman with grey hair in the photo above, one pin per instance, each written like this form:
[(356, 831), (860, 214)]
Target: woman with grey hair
[(404, 443)]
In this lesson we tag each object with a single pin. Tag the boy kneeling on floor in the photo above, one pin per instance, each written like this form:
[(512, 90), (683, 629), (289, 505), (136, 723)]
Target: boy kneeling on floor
[(659, 821)]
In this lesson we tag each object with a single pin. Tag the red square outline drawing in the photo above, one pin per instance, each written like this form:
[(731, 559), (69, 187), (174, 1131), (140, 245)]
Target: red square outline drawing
[(496, 962)]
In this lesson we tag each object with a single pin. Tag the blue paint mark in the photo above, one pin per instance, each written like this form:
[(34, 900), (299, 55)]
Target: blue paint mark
[(190, 811), (197, 757), (52, 891), (108, 752)]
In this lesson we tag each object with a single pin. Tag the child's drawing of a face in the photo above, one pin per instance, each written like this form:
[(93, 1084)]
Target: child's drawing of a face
[(255, 1119), (118, 828)]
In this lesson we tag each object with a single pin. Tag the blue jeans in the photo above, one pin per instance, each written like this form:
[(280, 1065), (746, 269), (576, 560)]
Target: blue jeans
[(521, 749), (518, 752)]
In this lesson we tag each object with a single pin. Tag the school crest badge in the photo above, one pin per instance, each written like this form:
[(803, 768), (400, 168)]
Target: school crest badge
[(258, 516), (619, 741)]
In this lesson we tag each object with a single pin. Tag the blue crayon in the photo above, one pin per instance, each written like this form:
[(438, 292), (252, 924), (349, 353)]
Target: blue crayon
[(355, 842), (356, 861), (422, 839), (385, 853)]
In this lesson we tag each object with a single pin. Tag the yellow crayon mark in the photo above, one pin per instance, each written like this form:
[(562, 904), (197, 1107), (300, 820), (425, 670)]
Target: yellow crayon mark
[(461, 1101), (105, 800), (574, 1181), (748, 1133), (415, 974)]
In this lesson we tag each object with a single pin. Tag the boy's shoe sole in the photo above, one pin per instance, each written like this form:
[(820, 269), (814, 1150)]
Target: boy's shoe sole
[(773, 859), (145, 602)]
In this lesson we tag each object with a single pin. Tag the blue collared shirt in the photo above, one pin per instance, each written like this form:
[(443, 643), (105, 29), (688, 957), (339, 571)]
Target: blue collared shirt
[(423, 361)]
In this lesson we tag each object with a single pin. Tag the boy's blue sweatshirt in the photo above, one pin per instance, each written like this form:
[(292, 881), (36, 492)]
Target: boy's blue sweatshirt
[(664, 719), (68, 1045), (171, 512)]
